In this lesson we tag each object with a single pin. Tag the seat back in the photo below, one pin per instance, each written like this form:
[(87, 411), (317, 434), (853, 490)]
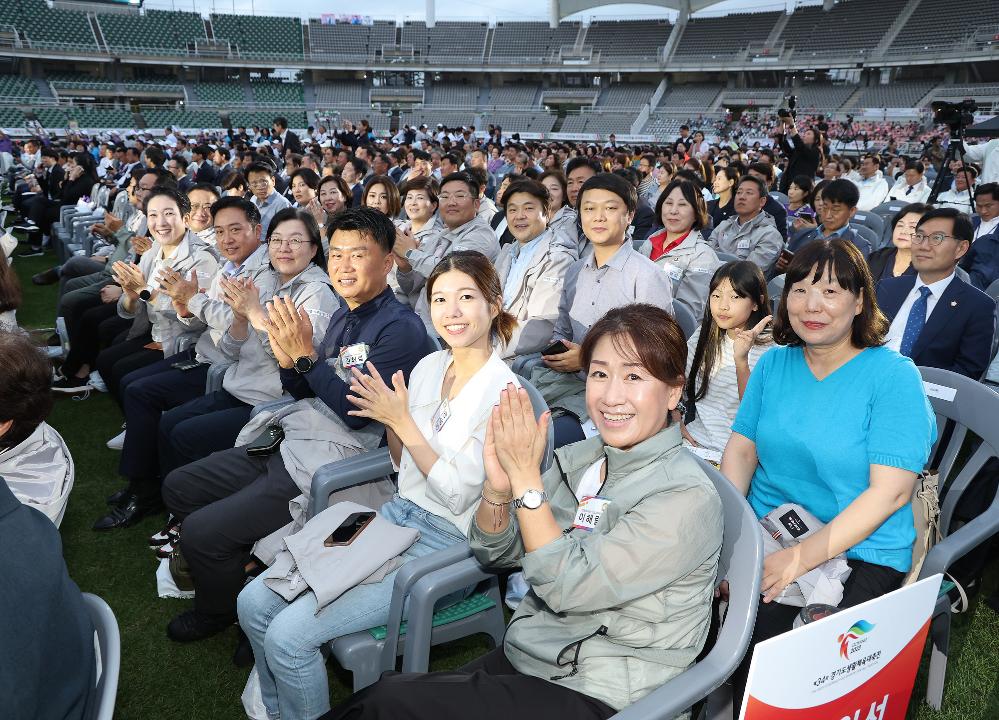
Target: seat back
[(741, 563), (992, 290), (966, 406), (780, 197), (540, 406), (685, 318), (871, 220), (868, 235), (109, 662), (888, 210)]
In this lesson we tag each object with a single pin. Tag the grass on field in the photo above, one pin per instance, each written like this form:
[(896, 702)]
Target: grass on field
[(161, 678)]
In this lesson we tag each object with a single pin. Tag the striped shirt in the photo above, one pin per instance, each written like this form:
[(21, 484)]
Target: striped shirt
[(715, 412)]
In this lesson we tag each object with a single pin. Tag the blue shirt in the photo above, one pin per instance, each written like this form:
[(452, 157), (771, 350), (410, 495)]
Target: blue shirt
[(396, 340), (816, 440), (522, 255)]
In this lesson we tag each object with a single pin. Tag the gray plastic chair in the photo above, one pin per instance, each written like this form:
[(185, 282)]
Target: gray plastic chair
[(109, 642), (888, 210), (872, 220), (361, 653), (685, 318), (868, 235), (775, 288), (780, 197), (993, 291), (974, 409), (741, 562), (216, 373)]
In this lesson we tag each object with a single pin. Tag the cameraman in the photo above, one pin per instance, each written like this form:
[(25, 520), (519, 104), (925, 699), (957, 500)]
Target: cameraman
[(804, 152), (988, 155)]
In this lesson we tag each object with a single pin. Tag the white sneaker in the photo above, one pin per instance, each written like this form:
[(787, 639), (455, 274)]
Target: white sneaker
[(97, 382), (117, 442), (54, 353)]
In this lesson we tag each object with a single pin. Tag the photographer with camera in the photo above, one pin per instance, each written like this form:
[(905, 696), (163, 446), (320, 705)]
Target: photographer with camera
[(804, 151), (988, 155)]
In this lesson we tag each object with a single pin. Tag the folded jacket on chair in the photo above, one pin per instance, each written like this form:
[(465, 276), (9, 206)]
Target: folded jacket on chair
[(307, 564)]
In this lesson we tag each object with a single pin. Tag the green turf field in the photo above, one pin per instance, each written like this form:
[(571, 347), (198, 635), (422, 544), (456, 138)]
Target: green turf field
[(162, 679)]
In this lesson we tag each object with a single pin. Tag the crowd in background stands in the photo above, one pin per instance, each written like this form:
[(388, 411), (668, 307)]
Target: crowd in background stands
[(629, 284)]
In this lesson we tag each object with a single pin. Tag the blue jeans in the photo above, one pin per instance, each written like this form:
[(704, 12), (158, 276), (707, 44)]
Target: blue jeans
[(287, 637)]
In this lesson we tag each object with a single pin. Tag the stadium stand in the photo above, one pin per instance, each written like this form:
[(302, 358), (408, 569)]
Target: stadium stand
[(101, 117), (633, 38), (285, 94), (11, 117), (823, 96), (152, 31), (452, 95), (926, 29), (724, 36), (808, 30), (17, 87), (531, 41), (259, 36), (48, 27), (159, 117), (513, 96), (349, 93), (78, 81), (689, 96), (164, 85), (451, 118), (340, 40), (894, 95), (521, 122), (623, 96), (220, 93), (264, 118), (457, 40)]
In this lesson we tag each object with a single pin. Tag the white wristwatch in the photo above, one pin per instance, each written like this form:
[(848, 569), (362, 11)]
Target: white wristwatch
[(531, 499)]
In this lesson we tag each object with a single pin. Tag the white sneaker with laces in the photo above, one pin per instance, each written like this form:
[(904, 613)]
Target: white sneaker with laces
[(97, 382), (117, 442)]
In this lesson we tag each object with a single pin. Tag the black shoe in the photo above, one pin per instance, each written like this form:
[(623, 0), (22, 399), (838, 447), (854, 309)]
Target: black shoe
[(115, 498), (71, 385), (33, 252), (48, 277), (128, 512), (243, 657), (192, 625), (26, 226)]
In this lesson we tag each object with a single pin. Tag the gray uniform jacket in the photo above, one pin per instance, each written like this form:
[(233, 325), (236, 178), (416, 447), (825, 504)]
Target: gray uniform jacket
[(690, 266), (616, 611), (759, 240), (536, 303), (209, 311), (158, 315), (254, 377), (568, 236), (434, 225), (473, 235)]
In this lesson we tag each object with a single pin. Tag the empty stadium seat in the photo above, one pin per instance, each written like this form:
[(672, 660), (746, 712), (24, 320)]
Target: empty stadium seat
[(724, 36), (259, 36), (632, 38), (286, 94), (220, 93), (153, 31), (812, 31)]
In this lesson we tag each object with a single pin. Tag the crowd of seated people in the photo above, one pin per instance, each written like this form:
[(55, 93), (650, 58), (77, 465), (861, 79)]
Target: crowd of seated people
[(260, 308)]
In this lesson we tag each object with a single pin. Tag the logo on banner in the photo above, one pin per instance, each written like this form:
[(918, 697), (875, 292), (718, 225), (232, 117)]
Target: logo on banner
[(859, 629)]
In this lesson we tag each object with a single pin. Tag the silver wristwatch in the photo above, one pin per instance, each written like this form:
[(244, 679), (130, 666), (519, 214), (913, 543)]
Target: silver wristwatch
[(531, 499)]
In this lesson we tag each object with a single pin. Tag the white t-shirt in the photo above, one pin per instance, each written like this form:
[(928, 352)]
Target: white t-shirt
[(590, 483), (715, 412)]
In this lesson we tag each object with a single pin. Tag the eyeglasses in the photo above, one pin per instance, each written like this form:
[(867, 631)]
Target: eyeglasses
[(935, 239), (459, 196), (198, 207), (293, 243), (260, 183)]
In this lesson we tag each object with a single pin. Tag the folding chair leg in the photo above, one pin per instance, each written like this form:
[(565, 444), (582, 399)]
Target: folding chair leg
[(718, 705), (496, 628), (940, 637)]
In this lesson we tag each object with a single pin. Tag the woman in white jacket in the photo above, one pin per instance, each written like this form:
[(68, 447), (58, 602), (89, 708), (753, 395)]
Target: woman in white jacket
[(436, 435)]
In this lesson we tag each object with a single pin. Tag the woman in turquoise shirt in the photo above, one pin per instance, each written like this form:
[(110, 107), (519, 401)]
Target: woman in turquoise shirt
[(834, 422)]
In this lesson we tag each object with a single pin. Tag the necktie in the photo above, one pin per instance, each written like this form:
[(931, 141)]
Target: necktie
[(915, 322), (908, 190)]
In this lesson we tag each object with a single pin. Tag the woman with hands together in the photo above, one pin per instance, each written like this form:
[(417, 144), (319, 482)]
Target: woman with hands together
[(435, 429)]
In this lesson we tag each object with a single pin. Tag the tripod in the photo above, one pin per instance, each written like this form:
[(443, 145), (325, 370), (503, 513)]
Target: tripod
[(955, 151)]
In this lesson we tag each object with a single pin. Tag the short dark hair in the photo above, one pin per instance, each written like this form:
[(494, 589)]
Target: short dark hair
[(692, 194), (205, 187), (181, 199), (155, 155), (309, 176), (761, 187), (281, 121), (463, 177), (311, 228), (25, 388), (963, 227), (657, 342), (259, 166), (561, 179), (223, 152), (479, 175), (360, 166), (234, 181), (182, 162), (763, 168), (915, 165), (394, 202), (910, 209), (531, 187), (370, 223), (990, 188), (425, 183), (847, 264), (578, 162), (231, 201), (611, 183), (842, 191)]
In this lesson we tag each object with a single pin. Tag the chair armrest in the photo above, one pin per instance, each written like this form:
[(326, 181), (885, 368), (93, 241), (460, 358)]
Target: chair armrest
[(405, 580), (216, 374), (346, 473), (271, 405), (676, 695), (523, 364), (955, 546)]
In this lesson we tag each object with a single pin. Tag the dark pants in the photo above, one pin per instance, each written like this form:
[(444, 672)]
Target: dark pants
[(866, 582), (488, 688), (94, 328), (77, 267), (117, 361), (227, 502), (199, 427), (146, 394)]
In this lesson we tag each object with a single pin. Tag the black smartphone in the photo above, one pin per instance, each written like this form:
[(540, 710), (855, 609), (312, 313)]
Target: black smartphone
[(267, 442), (556, 348), (349, 529), (185, 365)]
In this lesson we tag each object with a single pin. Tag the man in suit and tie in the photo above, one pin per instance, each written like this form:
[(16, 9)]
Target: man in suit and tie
[(205, 173), (982, 260), (937, 319), (289, 140)]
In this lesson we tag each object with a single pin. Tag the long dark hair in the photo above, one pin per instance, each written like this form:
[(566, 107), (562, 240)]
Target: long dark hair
[(747, 280), (478, 267)]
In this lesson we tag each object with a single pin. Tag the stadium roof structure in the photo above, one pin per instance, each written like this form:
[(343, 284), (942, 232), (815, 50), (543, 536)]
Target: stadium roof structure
[(564, 8)]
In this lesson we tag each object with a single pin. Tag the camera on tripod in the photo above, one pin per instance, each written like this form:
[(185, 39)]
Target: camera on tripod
[(956, 116), (789, 110)]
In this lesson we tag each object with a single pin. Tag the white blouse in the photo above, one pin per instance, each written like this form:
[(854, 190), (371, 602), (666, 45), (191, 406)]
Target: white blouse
[(454, 485)]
